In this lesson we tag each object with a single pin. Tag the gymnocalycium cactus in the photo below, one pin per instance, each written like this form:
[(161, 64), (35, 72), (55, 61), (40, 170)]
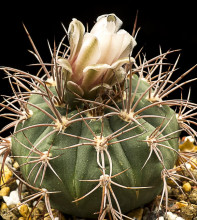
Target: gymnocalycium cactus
[(94, 133)]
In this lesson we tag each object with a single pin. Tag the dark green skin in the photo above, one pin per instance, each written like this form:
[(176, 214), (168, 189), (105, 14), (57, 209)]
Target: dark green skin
[(80, 163)]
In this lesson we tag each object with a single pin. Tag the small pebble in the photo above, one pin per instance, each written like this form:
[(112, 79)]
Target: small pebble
[(12, 199), (8, 215), (16, 165), (40, 206), (172, 216), (187, 145), (189, 212), (7, 174), (189, 138), (3, 206), (187, 187), (35, 213), (5, 191), (24, 210), (193, 196), (181, 204)]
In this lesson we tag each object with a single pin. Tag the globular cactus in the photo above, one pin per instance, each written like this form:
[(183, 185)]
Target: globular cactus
[(94, 134)]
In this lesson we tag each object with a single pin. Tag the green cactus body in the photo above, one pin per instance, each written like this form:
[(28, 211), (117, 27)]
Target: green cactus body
[(125, 156)]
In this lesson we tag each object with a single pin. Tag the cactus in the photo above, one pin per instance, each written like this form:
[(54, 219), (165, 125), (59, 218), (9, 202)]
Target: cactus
[(95, 133)]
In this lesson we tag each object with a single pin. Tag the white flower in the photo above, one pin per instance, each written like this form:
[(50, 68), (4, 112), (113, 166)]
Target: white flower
[(96, 56)]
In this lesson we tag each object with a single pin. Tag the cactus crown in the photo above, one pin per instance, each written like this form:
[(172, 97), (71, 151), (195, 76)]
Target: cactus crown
[(90, 129)]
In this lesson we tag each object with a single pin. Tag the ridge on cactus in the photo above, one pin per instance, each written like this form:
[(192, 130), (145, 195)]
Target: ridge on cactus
[(93, 132)]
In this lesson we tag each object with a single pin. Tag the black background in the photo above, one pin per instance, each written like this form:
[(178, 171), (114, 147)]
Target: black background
[(171, 25)]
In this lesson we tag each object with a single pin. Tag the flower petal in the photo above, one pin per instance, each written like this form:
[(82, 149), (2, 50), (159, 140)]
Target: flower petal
[(76, 32), (128, 43), (65, 64), (67, 69), (109, 44), (96, 67), (105, 30), (107, 22), (100, 73), (73, 87), (89, 54), (116, 65), (92, 74), (122, 61), (115, 46)]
